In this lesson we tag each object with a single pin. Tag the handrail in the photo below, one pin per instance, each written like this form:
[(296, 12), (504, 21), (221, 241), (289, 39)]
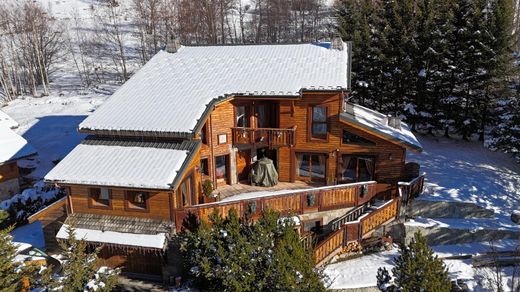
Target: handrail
[(270, 136), (413, 181)]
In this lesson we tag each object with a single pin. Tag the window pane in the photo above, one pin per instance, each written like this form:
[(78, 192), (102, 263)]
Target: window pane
[(220, 167), (319, 129), (303, 165), (137, 200), (260, 116), (349, 138), (319, 114), (366, 168), (241, 117), (184, 192), (318, 166), (204, 166), (349, 168), (105, 194)]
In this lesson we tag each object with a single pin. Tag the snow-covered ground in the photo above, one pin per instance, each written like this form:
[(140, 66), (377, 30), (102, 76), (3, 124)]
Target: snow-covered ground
[(467, 172)]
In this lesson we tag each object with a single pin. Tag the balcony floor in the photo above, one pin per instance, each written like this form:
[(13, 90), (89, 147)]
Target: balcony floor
[(242, 188)]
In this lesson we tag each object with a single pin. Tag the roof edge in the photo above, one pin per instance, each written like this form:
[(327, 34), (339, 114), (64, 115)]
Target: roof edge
[(182, 170)]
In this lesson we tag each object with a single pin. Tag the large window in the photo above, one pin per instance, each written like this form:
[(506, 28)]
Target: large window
[(349, 138), (355, 168), (241, 116), (137, 200), (319, 122), (221, 168), (311, 166), (187, 191), (100, 197)]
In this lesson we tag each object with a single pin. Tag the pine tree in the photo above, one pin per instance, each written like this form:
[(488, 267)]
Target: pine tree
[(418, 269), (80, 268), (10, 277), (233, 254), (505, 135)]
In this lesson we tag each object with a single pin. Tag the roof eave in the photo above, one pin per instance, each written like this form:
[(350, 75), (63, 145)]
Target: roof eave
[(407, 145)]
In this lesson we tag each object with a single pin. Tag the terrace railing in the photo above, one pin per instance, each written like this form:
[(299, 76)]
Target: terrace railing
[(355, 231), (289, 202), (271, 137), (411, 189)]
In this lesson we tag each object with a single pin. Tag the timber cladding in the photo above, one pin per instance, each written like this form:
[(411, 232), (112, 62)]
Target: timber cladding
[(8, 171), (158, 203), (389, 157)]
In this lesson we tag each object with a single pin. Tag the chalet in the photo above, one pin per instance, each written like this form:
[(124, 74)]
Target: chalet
[(13, 148), (230, 119)]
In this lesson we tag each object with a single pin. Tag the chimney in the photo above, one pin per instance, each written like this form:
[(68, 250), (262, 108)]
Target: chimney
[(394, 122), (337, 43), (173, 45)]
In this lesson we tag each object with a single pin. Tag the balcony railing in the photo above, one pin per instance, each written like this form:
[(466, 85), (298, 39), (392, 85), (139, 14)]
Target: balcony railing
[(271, 137), (290, 202)]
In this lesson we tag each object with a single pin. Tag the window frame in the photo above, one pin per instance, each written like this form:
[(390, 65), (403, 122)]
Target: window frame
[(128, 207), (371, 143), (93, 203), (247, 115), (357, 157), (311, 178), (191, 192), (311, 122)]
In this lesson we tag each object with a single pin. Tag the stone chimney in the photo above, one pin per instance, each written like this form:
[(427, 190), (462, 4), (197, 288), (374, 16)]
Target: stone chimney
[(337, 43), (173, 45)]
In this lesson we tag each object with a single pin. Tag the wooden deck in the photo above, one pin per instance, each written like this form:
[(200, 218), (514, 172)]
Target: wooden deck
[(242, 188)]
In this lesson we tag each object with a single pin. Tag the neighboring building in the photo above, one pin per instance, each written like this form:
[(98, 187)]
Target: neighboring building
[(201, 113), (13, 147)]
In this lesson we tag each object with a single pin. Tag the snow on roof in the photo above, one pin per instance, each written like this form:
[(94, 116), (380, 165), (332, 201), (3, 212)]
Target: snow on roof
[(377, 122), (125, 164), (7, 121), (98, 236), (170, 93), (13, 146)]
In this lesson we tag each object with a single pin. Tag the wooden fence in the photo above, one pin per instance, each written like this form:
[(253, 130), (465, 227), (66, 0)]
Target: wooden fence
[(290, 202), (355, 231)]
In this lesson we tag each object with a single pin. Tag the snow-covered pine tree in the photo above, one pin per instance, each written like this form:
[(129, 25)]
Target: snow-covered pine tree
[(80, 268), (359, 21), (11, 279), (418, 269), (505, 135)]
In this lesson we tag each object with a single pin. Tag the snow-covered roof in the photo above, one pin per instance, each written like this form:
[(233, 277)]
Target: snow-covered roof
[(118, 230), (124, 164), (171, 92), (13, 146), (113, 237), (7, 121), (377, 122)]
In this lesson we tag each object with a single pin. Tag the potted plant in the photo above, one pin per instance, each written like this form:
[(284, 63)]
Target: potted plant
[(207, 188)]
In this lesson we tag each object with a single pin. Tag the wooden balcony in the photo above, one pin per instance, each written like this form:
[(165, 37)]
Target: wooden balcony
[(272, 137), (288, 202)]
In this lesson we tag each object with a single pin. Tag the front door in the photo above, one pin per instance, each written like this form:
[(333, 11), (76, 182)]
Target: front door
[(243, 164)]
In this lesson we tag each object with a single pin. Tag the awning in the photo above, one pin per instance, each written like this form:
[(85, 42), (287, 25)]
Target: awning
[(118, 230), (133, 164)]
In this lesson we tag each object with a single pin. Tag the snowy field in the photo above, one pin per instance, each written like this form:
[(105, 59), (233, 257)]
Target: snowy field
[(467, 172)]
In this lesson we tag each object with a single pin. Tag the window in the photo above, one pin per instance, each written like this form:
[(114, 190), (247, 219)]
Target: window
[(349, 138), (241, 116), (354, 168), (204, 134), (100, 197), (204, 166), (319, 122), (137, 200), (311, 166), (187, 192), (221, 168)]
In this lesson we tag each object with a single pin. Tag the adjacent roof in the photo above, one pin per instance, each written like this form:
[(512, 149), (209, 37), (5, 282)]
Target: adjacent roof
[(145, 165), (118, 230), (7, 121), (376, 122), (13, 146), (171, 92)]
